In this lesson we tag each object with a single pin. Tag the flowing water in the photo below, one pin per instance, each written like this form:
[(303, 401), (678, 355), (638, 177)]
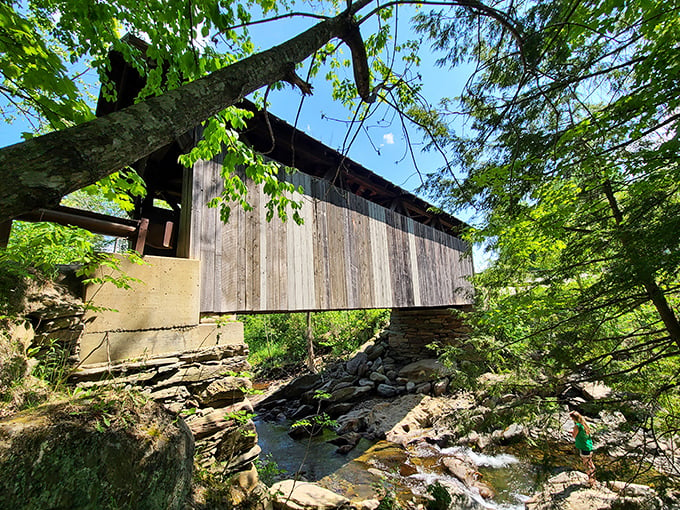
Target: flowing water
[(370, 467)]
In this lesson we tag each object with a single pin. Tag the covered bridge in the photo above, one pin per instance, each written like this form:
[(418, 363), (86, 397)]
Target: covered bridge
[(365, 243)]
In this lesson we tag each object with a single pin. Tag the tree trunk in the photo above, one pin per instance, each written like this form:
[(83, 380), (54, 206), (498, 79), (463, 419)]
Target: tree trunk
[(646, 278), (310, 344), (39, 172)]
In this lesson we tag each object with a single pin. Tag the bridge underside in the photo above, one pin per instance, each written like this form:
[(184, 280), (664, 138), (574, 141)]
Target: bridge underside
[(159, 315)]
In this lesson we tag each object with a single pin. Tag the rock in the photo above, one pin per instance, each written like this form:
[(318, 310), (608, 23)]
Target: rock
[(216, 352), (295, 495), (13, 360), (375, 352), (173, 392), (410, 387), (240, 462), (225, 391), (385, 390), (407, 470), (303, 411), (467, 473), (350, 393), (242, 485), (363, 370), (595, 390), (353, 421), (440, 387), (349, 438), (203, 373), (235, 439), (217, 420), (356, 362), (424, 388), (365, 382), (378, 377), (424, 370), (403, 419), (97, 452), (342, 385), (570, 491), (296, 388), (339, 409), (367, 504), (346, 442), (513, 434)]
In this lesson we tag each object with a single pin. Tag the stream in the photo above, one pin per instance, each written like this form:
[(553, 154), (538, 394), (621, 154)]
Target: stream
[(372, 467)]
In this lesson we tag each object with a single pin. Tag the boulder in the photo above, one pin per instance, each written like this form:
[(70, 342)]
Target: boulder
[(570, 491), (217, 420), (354, 365), (296, 495), (595, 390), (385, 390), (424, 370), (440, 387), (467, 473), (375, 352), (513, 434), (225, 391), (378, 377), (104, 451), (242, 485), (339, 409), (296, 388), (349, 394), (424, 388)]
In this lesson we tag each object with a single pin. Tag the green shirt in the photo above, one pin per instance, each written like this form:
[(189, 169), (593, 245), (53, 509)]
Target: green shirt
[(583, 441)]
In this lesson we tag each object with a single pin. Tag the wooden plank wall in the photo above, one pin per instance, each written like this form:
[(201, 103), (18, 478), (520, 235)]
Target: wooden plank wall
[(349, 254)]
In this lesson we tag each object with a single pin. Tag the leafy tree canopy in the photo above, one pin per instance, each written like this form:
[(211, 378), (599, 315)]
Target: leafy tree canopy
[(571, 158)]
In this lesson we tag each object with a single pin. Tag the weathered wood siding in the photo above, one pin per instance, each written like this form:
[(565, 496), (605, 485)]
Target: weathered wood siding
[(349, 254)]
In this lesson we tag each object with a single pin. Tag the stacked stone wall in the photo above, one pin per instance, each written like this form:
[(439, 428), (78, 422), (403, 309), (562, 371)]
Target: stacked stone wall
[(206, 387), (412, 331)]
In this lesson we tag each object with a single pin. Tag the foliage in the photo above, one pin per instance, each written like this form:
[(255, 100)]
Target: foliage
[(387, 496), (277, 340), (441, 497), (571, 161), (315, 422), (268, 470), (53, 361), (36, 250)]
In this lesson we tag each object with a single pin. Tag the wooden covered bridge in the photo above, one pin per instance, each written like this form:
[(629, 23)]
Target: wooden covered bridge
[(365, 243)]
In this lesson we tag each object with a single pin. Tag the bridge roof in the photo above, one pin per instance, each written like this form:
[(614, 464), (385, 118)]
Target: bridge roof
[(317, 159), (310, 155)]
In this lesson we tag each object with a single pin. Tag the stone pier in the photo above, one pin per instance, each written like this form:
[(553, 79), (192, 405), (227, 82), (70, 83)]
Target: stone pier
[(412, 330)]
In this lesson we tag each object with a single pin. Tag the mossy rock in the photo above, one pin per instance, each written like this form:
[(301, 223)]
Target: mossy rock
[(104, 452)]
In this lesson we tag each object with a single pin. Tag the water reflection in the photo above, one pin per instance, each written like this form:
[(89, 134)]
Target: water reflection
[(313, 458)]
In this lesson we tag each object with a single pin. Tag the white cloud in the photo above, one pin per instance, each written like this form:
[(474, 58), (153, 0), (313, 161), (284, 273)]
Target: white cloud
[(388, 139)]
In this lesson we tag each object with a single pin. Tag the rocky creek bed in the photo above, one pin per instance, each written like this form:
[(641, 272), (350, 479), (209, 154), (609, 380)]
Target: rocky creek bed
[(397, 431), (402, 424)]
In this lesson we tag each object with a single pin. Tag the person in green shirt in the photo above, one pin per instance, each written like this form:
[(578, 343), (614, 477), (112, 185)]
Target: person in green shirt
[(584, 444)]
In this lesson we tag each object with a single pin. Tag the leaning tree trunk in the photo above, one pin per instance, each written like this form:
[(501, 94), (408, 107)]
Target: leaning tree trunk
[(655, 294), (40, 171)]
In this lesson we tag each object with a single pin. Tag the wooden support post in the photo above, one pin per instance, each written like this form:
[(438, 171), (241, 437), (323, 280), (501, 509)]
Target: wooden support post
[(310, 344), (140, 240), (5, 231), (167, 235)]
